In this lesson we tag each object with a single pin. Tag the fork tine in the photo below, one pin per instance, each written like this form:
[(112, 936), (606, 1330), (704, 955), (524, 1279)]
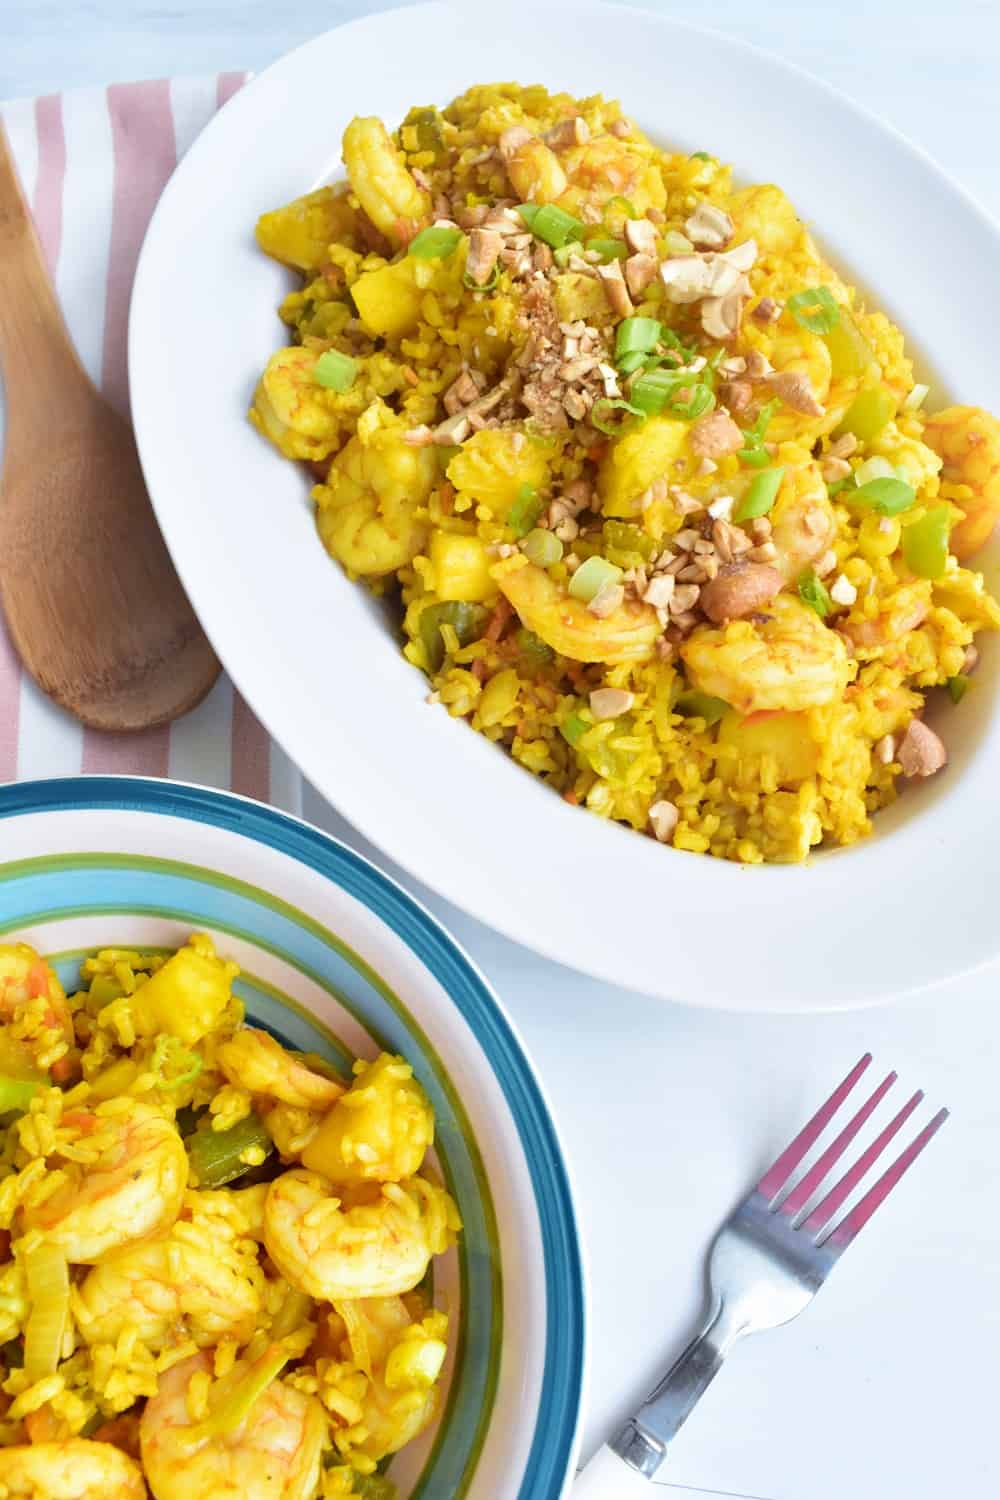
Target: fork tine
[(777, 1175), (813, 1179), (862, 1211), (829, 1205)]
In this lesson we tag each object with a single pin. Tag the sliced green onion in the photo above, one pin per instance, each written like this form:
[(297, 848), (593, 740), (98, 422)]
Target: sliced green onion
[(916, 398), (591, 577), (617, 210), (760, 495), (608, 249), (850, 352), (335, 371), (958, 686), (699, 156), (542, 548), (637, 336), (562, 255), (875, 468), (434, 243), (885, 495), (573, 729), (925, 542), (698, 400), (525, 511), (652, 390), (815, 309), (610, 426), (677, 243), (670, 339), (239, 1398), (467, 621), (551, 224), (813, 591), (487, 286), (696, 705), (837, 485), (754, 458), (16, 1093), (629, 363)]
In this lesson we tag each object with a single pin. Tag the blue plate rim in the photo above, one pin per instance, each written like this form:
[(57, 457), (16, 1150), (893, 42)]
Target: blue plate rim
[(560, 1407)]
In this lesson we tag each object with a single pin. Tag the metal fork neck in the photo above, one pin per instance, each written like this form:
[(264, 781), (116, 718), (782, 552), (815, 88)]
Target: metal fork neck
[(644, 1439)]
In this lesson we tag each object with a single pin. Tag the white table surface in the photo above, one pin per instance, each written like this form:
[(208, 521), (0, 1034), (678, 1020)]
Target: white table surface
[(885, 1387)]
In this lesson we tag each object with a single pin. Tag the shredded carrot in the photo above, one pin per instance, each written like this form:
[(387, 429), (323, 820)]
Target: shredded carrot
[(762, 714), (571, 798), (502, 611), (41, 1426), (65, 1067)]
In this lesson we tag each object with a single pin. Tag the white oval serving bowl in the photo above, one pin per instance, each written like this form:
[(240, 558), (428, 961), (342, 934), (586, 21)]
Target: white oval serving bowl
[(335, 957), (314, 655)]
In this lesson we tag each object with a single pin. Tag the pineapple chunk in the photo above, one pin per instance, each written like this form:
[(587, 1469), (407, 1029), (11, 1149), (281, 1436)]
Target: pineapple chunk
[(378, 1131), (635, 460), (782, 737), (461, 568), (388, 300), (301, 233), (186, 997)]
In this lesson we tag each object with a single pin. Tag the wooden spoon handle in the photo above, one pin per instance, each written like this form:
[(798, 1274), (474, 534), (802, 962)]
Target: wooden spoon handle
[(35, 348)]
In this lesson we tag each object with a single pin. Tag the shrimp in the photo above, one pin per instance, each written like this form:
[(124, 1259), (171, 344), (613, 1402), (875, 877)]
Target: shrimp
[(899, 613), (272, 1451), (170, 1289), (253, 1060), (803, 524), (607, 167), (380, 1129), (967, 438), (25, 976), (385, 188), (300, 233), (74, 1470), (402, 1356), (292, 409), (789, 660), (366, 511), (568, 626), (376, 1241), (130, 1183), (797, 352)]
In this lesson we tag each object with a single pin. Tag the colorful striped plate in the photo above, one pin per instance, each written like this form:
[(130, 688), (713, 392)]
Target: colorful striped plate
[(335, 957)]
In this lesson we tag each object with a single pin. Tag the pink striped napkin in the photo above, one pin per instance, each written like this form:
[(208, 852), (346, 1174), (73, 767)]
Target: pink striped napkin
[(93, 163)]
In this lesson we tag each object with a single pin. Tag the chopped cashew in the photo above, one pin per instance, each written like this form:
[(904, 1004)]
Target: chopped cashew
[(512, 139), (740, 589), (921, 752), (610, 703), (640, 236), (484, 248), (663, 819), (714, 435), (615, 288), (709, 226), (640, 272), (568, 133)]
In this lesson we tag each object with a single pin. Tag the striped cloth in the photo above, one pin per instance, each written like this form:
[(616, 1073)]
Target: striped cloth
[(93, 163)]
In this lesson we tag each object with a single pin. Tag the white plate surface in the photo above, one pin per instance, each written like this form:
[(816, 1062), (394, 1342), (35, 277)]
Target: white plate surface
[(312, 654)]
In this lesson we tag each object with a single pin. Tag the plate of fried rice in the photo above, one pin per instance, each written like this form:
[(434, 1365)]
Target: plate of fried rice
[(613, 445), (282, 1211)]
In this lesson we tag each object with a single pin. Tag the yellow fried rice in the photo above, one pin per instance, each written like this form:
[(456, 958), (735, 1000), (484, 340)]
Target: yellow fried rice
[(653, 485), (157, 1333)]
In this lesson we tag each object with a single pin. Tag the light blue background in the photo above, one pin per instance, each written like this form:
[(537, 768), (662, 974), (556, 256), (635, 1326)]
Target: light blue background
[(666, 1111)]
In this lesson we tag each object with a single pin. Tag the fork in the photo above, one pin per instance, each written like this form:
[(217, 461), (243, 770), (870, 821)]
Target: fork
[(766, 1264)]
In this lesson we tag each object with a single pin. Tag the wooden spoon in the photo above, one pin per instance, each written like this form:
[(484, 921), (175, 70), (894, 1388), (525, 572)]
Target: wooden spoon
[(91, 597)]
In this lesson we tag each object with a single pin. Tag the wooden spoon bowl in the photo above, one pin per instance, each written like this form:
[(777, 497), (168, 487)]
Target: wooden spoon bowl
[(92, 600)]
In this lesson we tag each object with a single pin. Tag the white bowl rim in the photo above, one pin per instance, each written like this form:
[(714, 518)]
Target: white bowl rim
[(905, 911)]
